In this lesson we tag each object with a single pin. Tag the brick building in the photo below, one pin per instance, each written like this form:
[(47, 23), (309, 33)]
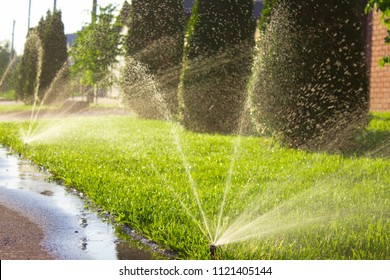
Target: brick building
[(379, 76)]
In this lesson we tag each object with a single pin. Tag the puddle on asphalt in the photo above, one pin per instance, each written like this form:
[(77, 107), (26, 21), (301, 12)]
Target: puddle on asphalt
[(72, 231)]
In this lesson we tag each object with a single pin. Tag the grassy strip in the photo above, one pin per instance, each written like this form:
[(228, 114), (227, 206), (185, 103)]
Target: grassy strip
[(8, 108), (19, 107), (8, 95), (297, 205)]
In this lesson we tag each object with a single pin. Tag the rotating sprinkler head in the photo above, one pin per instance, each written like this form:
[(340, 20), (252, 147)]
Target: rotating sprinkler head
[(213, 249), (25, 141)]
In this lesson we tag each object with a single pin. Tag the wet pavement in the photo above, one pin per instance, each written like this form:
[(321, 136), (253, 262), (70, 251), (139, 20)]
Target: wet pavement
[(71, 230)]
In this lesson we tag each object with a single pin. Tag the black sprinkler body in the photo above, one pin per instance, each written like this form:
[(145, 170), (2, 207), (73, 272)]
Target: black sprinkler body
[(213, 249)]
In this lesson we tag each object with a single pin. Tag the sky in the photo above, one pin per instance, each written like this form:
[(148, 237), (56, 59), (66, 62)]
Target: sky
[(75, 14)]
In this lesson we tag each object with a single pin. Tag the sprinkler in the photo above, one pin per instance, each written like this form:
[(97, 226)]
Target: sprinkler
[(213, 249)]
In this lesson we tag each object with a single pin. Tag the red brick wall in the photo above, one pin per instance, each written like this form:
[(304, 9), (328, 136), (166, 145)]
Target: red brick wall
[(379, 76)]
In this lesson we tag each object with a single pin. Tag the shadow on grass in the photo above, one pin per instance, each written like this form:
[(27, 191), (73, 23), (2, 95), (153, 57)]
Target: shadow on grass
[(374, 142)]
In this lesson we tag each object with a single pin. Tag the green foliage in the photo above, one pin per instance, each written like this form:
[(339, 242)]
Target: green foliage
[(220, 25), (384, 7), (96, 49), (155, 39), (384, 60), (151, 21), (125, 14), (55, 57), (218, 59), (8, 66), (43, 68), (311, 88), (134, 169), (14, 108), (5, 57), (266, 13), (8, 95), (29, 68)]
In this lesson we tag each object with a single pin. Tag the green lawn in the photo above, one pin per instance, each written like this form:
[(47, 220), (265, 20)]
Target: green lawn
[(7, 95), (277, 203), (17, 107)]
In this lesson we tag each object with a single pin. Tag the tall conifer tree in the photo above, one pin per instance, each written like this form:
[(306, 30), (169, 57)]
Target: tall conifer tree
[(28, 68), (46, 42), (155, 40), (220, 37), (312, 86), (55, 53)]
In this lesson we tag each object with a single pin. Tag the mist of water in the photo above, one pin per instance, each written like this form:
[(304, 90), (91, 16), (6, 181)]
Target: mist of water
[(147, 82), (39, 48), (35, 130)]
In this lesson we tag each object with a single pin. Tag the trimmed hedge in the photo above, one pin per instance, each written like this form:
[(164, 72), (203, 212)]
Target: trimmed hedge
[(155, 40), (311, 88), (218, 61)]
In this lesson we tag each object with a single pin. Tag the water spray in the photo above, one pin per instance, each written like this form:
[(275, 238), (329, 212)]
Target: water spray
[(213, 250)]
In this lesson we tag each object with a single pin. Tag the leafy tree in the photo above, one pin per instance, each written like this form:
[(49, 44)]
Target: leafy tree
[(384, 7), (218, 60), (155, 41), (311, 89), (266, 13), (96, 49)]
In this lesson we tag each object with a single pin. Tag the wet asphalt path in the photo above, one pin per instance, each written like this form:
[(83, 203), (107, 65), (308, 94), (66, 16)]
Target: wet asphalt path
[(70, 230)]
